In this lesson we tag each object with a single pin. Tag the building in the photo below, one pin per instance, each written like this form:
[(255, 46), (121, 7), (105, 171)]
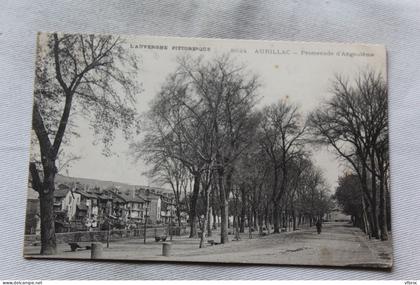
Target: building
[(33, 221), (336, 215), (135, 207), (89, 204), (66, 200), (168, 210), (88, 209), (154, 202)]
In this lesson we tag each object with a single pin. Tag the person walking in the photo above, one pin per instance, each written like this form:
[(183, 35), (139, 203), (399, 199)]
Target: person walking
[(318, 226)]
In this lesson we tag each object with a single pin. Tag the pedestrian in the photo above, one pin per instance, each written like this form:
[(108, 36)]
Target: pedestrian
[(318, 226)]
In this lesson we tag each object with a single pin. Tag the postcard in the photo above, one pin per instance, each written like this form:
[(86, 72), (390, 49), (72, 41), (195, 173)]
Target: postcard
[(209, 150)]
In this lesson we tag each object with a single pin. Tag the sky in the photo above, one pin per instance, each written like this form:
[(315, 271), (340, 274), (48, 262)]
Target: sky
[(302, 72)]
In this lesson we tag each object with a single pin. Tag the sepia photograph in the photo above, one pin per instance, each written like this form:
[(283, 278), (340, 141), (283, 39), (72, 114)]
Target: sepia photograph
[(209, 150)]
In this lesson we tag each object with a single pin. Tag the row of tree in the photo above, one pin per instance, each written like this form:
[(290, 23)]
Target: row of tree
[(354, 122), (203, 130)]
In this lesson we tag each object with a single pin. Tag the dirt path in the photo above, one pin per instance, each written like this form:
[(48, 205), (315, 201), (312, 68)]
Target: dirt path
[(338, 245)]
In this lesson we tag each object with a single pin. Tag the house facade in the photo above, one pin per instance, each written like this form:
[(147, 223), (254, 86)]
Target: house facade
[(66, 200), (33, 221), (337, 215), (88, 209), (87, 204), (168, 210), (135, 207), (154, 202)]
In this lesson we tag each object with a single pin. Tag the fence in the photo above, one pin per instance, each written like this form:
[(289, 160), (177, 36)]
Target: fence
[(114, 235)]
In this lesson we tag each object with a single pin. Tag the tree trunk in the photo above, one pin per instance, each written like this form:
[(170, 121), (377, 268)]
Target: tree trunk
[(374, 219), (236, 217), (267, 222), (243, 209), (214, 220), (260, 221), (224, 223), (276, 218), (374, 209), (178, 215), (382, 211), (388, 206), (275, 200), (224, 207), (368, 221), (46, 204), (255, 218), (250, 226), (285, 220), (213, 203), (242, 223), (366, 226), (209, 232), (193, 208), (206, 217)]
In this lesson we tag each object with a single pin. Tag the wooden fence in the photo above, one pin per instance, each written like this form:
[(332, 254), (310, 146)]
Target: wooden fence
[(114, 235)]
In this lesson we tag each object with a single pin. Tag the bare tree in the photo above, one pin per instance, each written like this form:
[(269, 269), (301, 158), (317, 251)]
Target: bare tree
[(77, 74), (348, 196), (167, 170), (281, 138), (355, 123), (203, 117), (313, 193), (300, 165), (252, 174), (230, 101), (177, 128)]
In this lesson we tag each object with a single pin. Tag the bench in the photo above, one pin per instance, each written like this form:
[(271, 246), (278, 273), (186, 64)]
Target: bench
[(161, 238), (83, 245), (211, 242)]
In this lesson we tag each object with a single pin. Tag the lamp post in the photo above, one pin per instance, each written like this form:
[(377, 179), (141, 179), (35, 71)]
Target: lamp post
[(170, 221), (145, 221), (107, 234)]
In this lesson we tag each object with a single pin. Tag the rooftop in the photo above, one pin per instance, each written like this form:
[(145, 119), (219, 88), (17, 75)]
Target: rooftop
[(102, 184), (132, 198), (59, 193)]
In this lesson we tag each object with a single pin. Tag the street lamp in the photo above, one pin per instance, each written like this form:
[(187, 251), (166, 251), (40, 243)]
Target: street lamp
[(108, 233), (170, 220), (145, 221)]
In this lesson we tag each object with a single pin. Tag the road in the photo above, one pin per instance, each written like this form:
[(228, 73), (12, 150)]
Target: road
[(339, 244)]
